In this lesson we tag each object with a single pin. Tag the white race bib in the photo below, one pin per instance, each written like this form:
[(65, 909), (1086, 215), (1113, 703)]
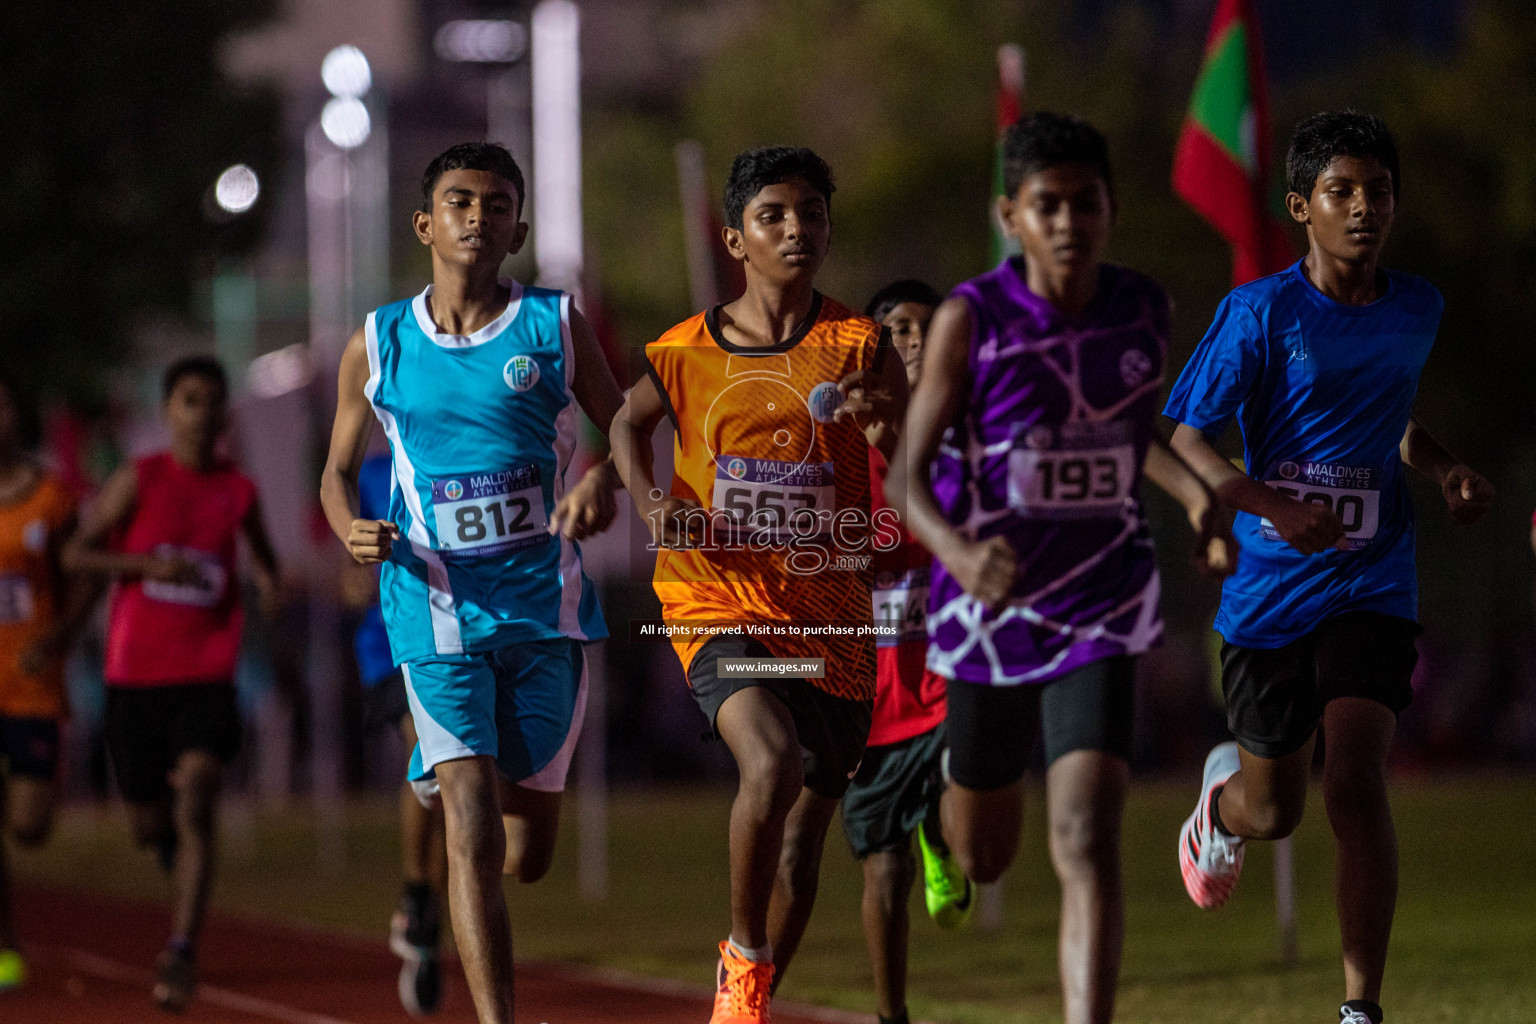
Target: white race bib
[(1350, 492), (15, 599), (901, 603), (1071, 471), (767, 495), (205, 593), (489, 513)]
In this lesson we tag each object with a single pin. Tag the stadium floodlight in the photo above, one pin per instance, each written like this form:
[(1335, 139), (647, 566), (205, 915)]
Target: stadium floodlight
[(346, 73), (237, 189), (481, 41), (345, 122)]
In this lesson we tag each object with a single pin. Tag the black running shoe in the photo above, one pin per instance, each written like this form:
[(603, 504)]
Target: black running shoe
[(414, 933), (175, 978)]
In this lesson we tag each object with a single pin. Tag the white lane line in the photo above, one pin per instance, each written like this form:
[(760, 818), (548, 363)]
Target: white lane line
[(110, 970)]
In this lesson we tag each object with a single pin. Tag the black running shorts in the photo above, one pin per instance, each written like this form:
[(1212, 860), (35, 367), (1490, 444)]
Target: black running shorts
[(897, 787), (1275, 697), (29, 747), (992, 728), (832, 730), (149, 727)]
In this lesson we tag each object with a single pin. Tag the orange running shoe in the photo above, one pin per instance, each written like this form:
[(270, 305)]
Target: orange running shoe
[(743, 987)]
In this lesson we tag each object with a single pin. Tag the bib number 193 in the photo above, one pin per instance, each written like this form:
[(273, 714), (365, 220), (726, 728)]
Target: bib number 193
[(1062, 483)]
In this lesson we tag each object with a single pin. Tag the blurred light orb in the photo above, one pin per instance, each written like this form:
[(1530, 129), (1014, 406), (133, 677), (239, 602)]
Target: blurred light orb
[(346, 73), (237, 189), (481, 41), (345, 122)]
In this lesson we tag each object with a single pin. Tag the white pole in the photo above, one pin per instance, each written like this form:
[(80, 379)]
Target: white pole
[(556, 71), (555, 34), (692, 185), (592, 785), (1285, 901)]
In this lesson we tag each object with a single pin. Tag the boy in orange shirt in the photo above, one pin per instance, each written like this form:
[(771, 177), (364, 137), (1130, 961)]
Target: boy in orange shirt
[(38, 614), (766, 544)]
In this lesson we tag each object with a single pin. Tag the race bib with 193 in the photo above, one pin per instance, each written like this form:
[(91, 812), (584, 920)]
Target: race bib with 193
[(489, 513), (1350, 492), (1071, 470), (778, 498)]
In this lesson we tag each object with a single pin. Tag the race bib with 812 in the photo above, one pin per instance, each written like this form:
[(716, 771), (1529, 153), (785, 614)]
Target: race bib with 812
[(489, 513), (767, 495), (1350, 492), (1071, 470)]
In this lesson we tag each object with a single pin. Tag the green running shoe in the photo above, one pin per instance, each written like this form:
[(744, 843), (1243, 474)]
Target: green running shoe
[(13, 972), (945, 888)]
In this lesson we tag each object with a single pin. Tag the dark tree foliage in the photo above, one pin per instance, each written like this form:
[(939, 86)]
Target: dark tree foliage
[(117, 121)]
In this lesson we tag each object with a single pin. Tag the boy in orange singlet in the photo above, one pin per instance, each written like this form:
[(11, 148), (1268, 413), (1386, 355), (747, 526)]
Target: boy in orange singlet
[(38, 613), (765, 544)]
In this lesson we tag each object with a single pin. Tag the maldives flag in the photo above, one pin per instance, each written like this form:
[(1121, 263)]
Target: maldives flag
[(1010, 107), (1221, 167)]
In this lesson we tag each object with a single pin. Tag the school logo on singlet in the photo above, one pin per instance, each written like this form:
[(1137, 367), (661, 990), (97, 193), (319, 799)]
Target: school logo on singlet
[(521, 373), (824, 401), (1135, 365)]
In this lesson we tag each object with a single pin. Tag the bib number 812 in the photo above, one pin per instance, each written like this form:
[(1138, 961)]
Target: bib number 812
[(471, 523)]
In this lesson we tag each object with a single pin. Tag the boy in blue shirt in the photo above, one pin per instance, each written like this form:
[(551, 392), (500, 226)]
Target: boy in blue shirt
[(1320, 363), (479, 384)]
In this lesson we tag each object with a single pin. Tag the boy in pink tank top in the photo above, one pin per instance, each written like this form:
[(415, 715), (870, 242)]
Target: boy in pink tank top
[(165, 530)]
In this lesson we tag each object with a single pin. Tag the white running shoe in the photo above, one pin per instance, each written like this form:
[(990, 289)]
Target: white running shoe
[(1349, 1016), (1209, 861)]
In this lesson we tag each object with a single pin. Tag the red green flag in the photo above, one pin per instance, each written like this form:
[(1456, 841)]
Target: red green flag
[(1222, 165), (1010, 107)]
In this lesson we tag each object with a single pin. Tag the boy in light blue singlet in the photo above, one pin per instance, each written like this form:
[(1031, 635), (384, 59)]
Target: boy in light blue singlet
[(1320, 364), (479, 384)]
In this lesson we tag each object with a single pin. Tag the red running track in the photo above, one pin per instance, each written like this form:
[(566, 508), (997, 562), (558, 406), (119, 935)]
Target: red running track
[(91, 960)]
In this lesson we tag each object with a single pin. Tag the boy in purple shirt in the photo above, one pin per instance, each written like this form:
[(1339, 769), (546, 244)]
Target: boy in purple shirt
[(1025, 444)]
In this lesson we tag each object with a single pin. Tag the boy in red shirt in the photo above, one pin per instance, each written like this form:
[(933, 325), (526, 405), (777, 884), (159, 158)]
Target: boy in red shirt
[(165, 529), (897, 788)]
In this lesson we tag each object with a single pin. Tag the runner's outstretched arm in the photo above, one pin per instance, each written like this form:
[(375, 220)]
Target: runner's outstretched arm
[(1307, 528), (634, 460), (88, 552), (80, 590), (368, 540), (880, 395), (589, 508), (264, 559), (1215, 551), (1468, 496), (986, 569)]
